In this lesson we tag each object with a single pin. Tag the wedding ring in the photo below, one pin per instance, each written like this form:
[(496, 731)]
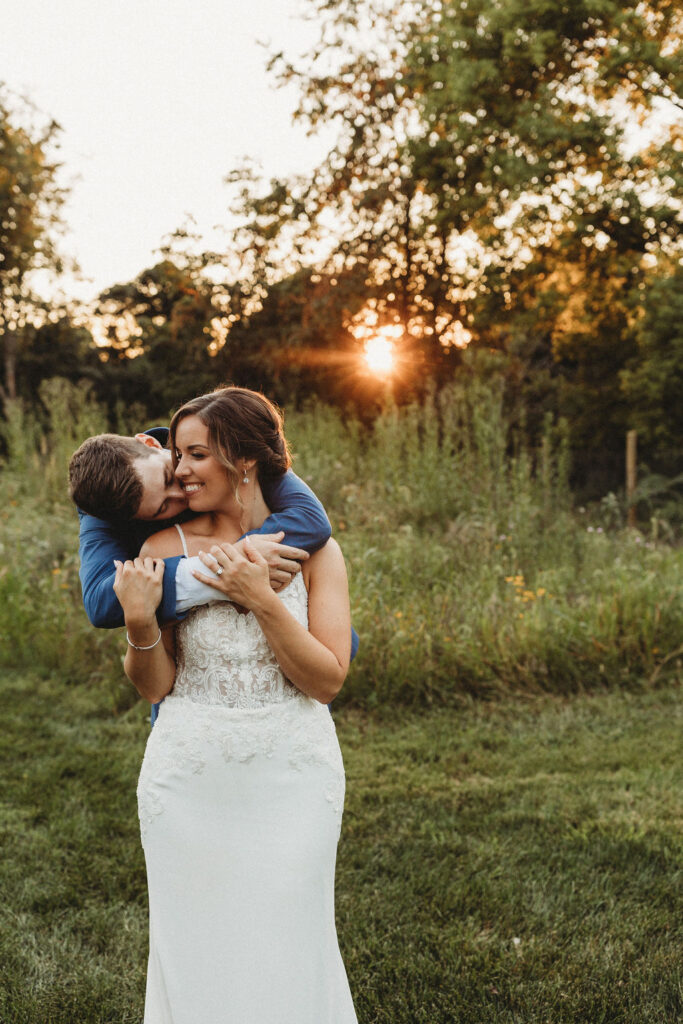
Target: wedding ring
[(219, 570)]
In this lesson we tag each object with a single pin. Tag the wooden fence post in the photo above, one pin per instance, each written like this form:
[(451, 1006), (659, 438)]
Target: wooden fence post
[(631, 474)]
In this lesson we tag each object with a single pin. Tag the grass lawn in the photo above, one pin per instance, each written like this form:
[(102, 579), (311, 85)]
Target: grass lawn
[(512, 862)]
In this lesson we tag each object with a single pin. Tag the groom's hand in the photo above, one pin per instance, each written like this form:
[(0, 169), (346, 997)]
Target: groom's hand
[(283, 561)]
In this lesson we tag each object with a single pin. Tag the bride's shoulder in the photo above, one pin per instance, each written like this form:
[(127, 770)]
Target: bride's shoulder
[(327, 560), (163, 544)]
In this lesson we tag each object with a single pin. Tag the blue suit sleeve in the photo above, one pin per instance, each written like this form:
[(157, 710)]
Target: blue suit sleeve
[(99, 544), (297, 511)]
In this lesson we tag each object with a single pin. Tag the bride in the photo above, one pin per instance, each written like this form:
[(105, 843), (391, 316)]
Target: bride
[(242, 784)]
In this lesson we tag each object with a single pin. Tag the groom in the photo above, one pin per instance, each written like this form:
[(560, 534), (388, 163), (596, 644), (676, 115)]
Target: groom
[(125, 489)]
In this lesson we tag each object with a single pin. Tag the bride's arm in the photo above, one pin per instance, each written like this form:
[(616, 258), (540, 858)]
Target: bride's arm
[(316, 659), (150, 657)]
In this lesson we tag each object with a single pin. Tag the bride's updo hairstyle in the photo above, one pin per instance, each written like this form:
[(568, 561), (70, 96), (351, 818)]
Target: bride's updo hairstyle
[(242, 424)]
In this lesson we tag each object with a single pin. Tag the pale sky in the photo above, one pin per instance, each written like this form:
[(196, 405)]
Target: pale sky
[(158, 100)]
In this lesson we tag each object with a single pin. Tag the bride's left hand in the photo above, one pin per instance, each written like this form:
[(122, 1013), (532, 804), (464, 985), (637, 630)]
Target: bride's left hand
[(244, 580)]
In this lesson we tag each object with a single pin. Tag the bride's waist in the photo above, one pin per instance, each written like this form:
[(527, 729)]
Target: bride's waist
[(198, 701)]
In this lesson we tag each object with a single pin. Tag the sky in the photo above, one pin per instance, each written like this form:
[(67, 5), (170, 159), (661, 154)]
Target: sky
[(158, 100)]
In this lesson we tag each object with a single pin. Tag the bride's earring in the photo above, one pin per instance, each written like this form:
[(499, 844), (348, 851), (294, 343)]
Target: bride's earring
[(245, 479)]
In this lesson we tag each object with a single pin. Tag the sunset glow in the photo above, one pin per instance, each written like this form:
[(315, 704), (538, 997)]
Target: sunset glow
[(379, 355)]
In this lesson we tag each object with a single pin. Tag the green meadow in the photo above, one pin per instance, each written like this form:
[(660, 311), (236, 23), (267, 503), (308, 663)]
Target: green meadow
[(511, 848), (511, 861)]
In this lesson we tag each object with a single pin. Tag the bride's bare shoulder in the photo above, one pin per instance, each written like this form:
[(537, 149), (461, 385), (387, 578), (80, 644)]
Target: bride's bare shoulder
[(327, 560), (163, 544)]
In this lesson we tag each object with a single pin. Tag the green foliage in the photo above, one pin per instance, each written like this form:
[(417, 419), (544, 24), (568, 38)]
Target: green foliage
[(42, 622), (30, 205), (514, 861), (163, 329), (654, 381), (470, 572), (484, 179)]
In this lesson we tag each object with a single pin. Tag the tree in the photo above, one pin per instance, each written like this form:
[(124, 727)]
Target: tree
[(57, 349), (653, 380), (30, 206), (164, 330), (484, 186)]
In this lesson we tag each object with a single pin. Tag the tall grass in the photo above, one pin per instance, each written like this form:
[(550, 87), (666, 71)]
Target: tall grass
[(471, 572)]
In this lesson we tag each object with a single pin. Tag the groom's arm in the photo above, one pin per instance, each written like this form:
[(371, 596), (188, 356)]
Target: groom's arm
[(297, 511), (99, 543)]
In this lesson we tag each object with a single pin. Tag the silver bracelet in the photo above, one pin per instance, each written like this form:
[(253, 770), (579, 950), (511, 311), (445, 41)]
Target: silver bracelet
[(135, 646)]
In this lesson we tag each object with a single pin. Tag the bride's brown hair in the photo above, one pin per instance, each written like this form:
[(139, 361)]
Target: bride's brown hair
[(242, 424)]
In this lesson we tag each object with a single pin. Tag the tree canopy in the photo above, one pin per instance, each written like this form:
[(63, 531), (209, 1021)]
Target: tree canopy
[(506, 174), (30, 216), (503, 197)]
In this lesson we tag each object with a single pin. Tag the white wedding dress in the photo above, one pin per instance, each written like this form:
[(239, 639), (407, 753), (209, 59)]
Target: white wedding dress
[(240, 799)]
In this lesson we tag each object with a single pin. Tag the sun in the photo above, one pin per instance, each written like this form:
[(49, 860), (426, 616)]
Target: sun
[(379, 355)]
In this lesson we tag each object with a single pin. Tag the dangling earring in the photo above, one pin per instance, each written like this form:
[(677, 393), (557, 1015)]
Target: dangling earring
[(245, 479)]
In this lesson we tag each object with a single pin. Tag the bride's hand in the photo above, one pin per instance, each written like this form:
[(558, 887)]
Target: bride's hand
[(243, 578), (138, 584)]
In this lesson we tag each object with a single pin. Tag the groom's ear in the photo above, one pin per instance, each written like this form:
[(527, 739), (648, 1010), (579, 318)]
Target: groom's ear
[(150, 441)]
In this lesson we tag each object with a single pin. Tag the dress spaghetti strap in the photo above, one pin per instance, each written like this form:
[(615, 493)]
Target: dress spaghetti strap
[(182, 540)]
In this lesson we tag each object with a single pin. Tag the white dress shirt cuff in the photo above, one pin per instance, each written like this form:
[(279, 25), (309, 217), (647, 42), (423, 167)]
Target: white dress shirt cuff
[(189, 592)]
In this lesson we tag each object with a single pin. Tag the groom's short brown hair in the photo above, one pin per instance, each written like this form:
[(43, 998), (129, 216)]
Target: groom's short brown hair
[(103, 480)]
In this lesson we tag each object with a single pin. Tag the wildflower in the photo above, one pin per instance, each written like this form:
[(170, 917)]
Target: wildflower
[(398, 615), (509, 579), (599, 530), (590, 529), (528, 595), (56, 572)]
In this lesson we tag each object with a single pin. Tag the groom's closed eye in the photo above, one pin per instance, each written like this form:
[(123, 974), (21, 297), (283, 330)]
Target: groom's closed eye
[(168, 481)]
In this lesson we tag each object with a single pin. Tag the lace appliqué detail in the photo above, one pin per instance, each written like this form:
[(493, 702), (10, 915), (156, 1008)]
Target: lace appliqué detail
[(224, 658), (186, 738)]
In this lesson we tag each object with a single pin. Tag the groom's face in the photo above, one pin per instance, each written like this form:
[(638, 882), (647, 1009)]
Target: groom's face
[(162, 495)]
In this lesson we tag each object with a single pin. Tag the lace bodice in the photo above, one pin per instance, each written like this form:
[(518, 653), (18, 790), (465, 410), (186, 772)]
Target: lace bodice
[(224, 658)]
